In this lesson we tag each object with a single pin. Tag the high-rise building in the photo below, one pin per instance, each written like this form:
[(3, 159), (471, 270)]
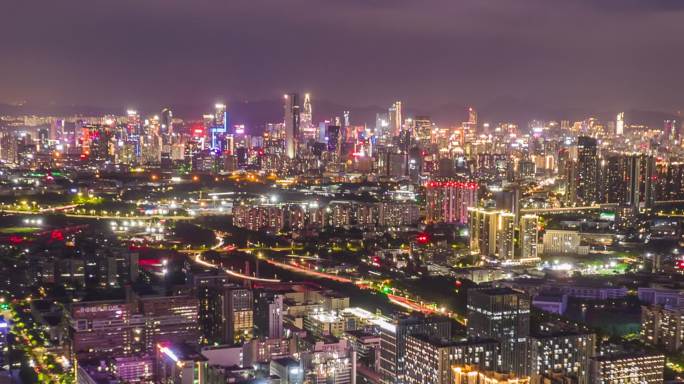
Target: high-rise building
[(268, 314), (209, 290), (179, 364), (291, 121), (448, 200), (429, 359), (170, 318), (395, 119), (670, 131), (529, 237), (238, 315), (620, 124), (663, 326), (629, 180), (307, 129), (219, 126), (492, 233), (642, 368), (101, 329), (641, 186), (120, 328), (567, 353), (393, 339), (382, 127), (422, 127), (502, 314), (166, 123), (585, 177)]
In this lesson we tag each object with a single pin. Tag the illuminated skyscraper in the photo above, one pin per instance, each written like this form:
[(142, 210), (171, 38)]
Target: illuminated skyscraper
[(620, 124), (492, 233), (220, 126), (472, 116), (529, 234), (166, 122), (670, 131), (395, 118), (422, 128), (307, 128), (291, 120)]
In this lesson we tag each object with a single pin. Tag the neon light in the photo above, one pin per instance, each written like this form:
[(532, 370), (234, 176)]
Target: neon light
[(168, 352)]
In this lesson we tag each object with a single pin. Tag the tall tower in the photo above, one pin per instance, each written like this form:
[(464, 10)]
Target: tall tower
[(395, 118), (529, 234), (166, 125), (472, 116), (307, 128), (620, 124), (219, 126), (587, 167), (291, 120)]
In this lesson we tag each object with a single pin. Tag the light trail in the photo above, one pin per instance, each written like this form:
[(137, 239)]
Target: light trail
[(238, 275), (309, 272)]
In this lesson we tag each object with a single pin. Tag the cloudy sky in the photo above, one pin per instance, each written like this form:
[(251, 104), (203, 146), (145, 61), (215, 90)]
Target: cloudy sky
[(606, 54)]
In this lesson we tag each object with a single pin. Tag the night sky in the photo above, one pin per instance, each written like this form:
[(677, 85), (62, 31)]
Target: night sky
[(607, 54)]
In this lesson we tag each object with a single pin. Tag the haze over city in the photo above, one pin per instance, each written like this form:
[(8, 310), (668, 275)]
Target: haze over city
[(601, 56), (342, 192)]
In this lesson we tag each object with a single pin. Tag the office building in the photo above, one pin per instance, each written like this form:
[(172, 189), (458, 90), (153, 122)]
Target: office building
[(268, 314), (238, 315), (179, 364), (429, 359), (502, 314), (393, 339), (395, 119)]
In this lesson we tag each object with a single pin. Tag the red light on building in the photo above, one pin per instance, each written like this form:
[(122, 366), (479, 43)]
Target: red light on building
[(197, 130), (452, 184), (423, 238), (680, 264), (56, 235), (458, 283)]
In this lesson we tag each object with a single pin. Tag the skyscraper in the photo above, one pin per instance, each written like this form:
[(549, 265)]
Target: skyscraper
[(587, 167), (166, 123), (395, 118), (238, 314), (529, 234), (307, 129), (502, 314), (670, 131), (492, 233), (620, 124), (219, 126), (291, 120)]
